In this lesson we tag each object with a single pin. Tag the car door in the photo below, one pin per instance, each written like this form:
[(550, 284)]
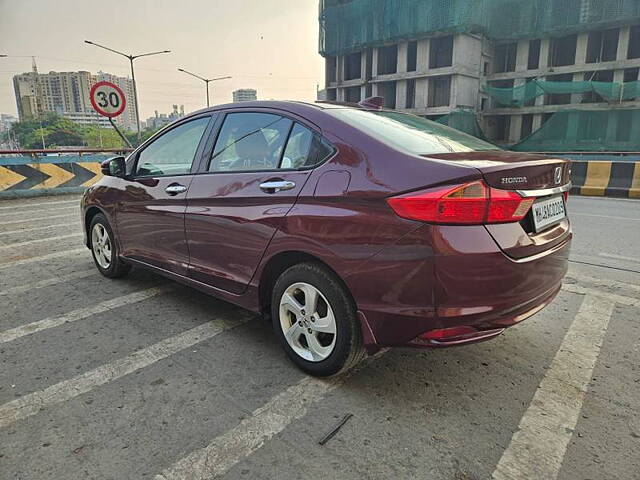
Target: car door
[(150, 210), (257, 168)]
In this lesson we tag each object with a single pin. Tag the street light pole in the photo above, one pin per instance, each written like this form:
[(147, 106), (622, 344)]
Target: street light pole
[(205, 80), (133, 76)]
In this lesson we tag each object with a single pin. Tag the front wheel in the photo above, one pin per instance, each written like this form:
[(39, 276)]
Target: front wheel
[(315, 320), (104, 248)]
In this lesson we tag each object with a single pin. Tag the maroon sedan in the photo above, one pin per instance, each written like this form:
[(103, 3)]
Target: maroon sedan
[(352, 227)]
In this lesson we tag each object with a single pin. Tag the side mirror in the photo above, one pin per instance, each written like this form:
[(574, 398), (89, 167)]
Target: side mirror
[(114, 167)]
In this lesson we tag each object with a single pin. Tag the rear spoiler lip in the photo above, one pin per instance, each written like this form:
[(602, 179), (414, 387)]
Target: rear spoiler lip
[(543, 192)]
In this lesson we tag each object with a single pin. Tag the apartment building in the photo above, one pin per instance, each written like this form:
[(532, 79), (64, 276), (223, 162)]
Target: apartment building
[(67, 94), (245, 95), (503, 60)]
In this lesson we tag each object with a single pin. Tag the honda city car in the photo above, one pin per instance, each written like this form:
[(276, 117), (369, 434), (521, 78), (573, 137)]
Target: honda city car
[(350, 227)]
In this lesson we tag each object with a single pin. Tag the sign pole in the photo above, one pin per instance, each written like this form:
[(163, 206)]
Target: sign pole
[(124, 139), (110, 101)]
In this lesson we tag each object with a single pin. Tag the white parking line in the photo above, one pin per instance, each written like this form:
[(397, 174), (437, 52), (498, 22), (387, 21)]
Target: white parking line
[(40, 210), (239, 442), (32, 403), (37, 219), (40, 240), (603, 281), (41, 258), (45, 227), (80, 313), (619, 257), (25, 205), (251, 433), (48, 282), (615, 298), (538, 447)]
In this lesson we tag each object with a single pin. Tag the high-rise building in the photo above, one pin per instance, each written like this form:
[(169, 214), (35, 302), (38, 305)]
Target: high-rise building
[(510, 65), (245, 95), (67, 94), (159, 120)]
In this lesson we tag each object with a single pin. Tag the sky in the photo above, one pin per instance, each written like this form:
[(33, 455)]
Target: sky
[(269, 45)]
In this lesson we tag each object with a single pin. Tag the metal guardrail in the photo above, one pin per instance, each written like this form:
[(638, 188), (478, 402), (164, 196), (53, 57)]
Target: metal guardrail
[(64, 150)]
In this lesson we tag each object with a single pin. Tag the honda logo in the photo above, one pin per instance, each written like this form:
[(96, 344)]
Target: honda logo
[(557, 176)]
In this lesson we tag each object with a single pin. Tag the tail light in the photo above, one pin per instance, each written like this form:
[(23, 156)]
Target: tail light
[(469, 204)]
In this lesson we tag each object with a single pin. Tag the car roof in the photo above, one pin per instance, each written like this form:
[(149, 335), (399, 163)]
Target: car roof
[(293, 106)]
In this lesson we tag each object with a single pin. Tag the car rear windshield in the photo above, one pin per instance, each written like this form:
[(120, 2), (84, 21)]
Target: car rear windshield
[(411, 133)]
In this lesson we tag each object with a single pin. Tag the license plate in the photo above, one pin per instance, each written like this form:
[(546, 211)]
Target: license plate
[(547, 212)]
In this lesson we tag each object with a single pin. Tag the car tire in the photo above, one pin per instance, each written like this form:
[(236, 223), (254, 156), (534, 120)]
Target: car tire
[(104, 248), (309, 341)]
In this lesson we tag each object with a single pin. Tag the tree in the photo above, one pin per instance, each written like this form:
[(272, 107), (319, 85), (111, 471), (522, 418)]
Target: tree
[(60, 138), (58, 132), (96, 137)]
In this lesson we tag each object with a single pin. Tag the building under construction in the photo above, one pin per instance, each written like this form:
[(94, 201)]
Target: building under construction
[(539, 75)]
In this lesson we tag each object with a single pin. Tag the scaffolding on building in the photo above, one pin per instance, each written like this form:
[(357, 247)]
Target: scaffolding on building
[(350, 25)]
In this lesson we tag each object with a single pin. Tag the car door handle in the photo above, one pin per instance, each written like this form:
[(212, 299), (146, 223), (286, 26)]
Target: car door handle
[(276, 186), (175, 189)]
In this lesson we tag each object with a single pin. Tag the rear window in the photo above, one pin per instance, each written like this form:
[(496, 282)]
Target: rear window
[(411, 133)]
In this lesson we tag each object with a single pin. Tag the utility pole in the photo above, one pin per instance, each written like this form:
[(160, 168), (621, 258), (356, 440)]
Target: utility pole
[(205, 80), (133, 76)]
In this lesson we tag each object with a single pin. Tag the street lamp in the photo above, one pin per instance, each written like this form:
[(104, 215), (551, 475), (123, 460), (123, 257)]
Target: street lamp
[(205, 80), (133, 75)]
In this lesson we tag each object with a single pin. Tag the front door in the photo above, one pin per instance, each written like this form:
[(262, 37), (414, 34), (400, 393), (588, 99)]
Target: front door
[(258, 167), (150, 212)]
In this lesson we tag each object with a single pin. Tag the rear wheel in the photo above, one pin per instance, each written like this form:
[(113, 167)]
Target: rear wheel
[(104, 248), (315, 320)]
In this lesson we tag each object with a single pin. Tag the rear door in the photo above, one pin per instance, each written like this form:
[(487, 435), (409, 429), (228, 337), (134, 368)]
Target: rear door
[(151, 205), (257, 167)]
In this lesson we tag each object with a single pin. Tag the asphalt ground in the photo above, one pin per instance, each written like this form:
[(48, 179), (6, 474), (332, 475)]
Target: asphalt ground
[(144, 378)]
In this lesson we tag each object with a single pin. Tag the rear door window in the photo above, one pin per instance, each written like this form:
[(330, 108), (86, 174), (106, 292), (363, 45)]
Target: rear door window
[(250, 141), (305, 149)]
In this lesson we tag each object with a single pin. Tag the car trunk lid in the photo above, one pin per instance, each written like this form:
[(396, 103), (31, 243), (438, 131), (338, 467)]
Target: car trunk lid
[(532, 175), (514, 171)]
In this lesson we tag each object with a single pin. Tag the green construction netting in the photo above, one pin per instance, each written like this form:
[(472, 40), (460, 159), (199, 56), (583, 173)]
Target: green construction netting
[(347, 25), (518, 96), (586, 131), (465, 121)]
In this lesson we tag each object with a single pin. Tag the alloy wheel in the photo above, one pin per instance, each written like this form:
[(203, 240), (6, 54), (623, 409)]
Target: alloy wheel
[(101, 245), (308, 322)]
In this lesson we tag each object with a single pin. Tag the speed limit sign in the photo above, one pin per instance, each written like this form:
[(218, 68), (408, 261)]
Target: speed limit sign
[(107, 99)]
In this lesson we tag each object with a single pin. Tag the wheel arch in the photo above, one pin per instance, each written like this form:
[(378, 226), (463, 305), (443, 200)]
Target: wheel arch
[(277, 264), (89, 214)]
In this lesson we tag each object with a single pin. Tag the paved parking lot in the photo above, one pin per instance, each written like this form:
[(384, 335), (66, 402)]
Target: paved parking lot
[(144, 378)]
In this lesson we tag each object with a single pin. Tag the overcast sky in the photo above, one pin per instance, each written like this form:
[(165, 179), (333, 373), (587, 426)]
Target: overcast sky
[(269, 45)]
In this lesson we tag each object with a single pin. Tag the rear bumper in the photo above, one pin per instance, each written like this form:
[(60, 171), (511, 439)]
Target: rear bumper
[(468, 281)]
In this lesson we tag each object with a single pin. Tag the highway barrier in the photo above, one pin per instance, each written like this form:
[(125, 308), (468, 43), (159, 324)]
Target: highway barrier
[(606, 178), (28, 173), (45, 172)]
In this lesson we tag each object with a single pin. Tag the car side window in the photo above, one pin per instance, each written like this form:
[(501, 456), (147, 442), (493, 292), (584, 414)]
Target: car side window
[(305, 148), (174, 152), (250, 141)]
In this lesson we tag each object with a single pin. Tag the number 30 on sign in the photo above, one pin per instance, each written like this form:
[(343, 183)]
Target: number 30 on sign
[(107, 99)]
